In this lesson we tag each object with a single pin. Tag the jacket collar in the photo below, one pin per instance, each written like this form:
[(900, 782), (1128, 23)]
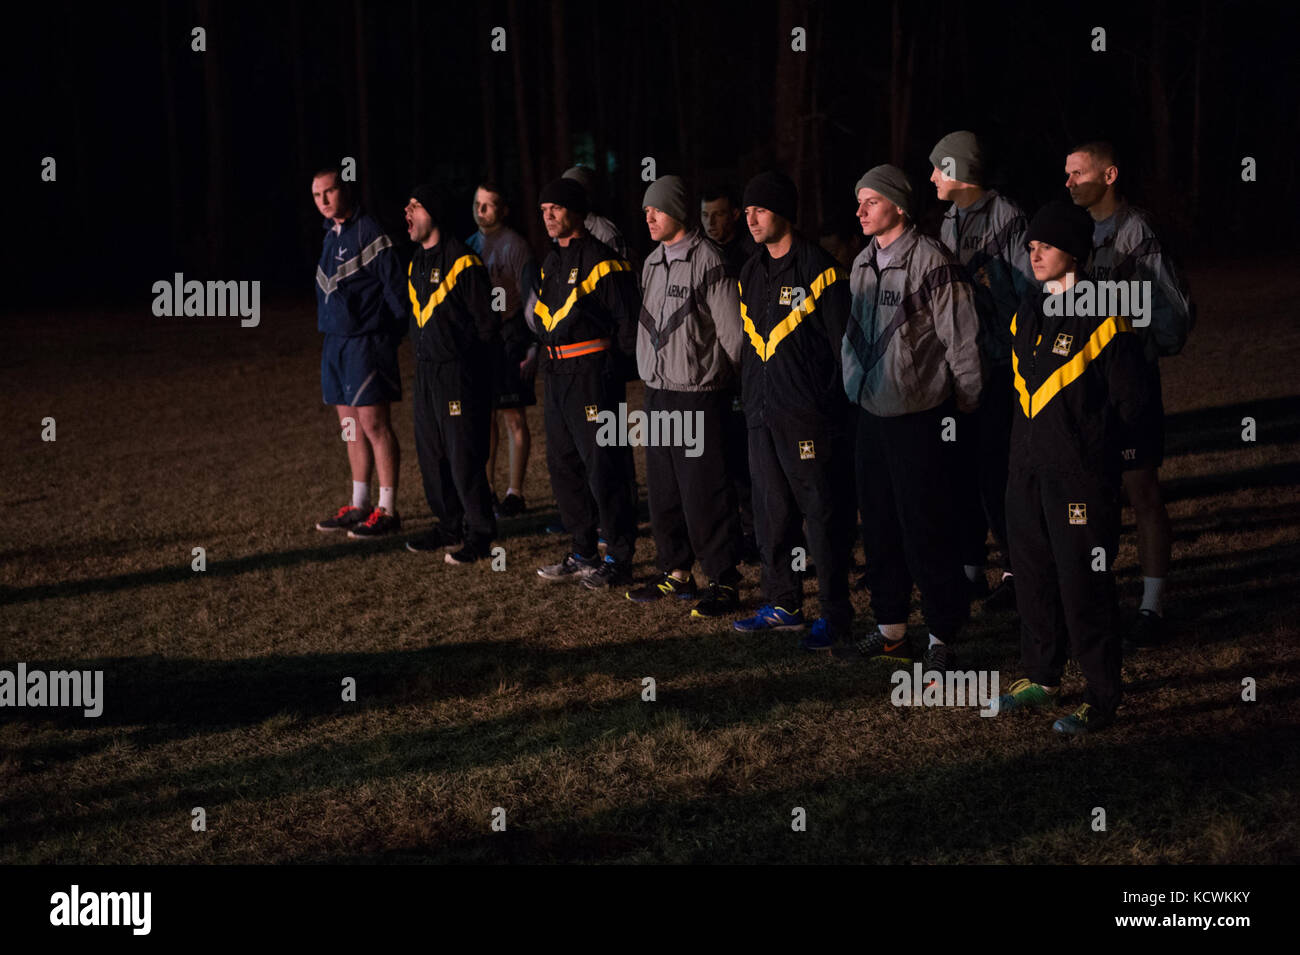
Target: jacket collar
[(692, 240), (900, 249)]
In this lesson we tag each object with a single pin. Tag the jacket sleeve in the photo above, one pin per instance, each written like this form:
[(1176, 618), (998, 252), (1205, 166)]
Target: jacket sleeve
[(387, 268), (957, 324), (722, 295), (620, 295), (475, 290), (1017, 256), (1125, 379), (1171, 317), (834, 306)]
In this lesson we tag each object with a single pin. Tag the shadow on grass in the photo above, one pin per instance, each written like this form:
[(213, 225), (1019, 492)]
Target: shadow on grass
[(1277, 421), (1030, 803), (337, 549)]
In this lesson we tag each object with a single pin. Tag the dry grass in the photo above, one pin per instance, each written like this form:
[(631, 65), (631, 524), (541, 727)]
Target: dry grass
[(481, 689)]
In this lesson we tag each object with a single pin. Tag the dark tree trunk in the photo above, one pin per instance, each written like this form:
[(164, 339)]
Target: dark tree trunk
[(527, 164), (212, 88), (563, 144), (365, 173), (488, 62), (168, 36)]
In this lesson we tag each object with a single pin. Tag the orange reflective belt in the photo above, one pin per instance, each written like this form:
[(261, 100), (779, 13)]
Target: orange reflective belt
[(578, 349)]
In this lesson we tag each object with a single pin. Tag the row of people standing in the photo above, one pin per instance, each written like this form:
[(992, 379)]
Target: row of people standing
[(900, 376)]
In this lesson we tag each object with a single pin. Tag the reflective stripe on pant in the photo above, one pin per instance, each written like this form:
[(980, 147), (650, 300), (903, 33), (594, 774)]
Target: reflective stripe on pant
[(692, 503), (453, 410), (1059, 525), (803, 474), (592, 484), (904, 470)]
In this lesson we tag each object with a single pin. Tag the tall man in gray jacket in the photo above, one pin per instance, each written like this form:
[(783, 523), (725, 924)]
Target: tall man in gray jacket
[(986, 232), (1125, 248), (911, 360), (688, 350)]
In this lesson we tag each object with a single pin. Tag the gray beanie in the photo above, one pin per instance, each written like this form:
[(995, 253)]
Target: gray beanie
[(668, 195), (583, 176), (891, 182), (963, 148)]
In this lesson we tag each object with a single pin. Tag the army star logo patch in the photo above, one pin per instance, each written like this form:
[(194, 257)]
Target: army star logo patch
[(573, 276), (806, 452), (453, 407), (1078, 513), (435, 277), (786, 292), (591, 412), (1062, 345)]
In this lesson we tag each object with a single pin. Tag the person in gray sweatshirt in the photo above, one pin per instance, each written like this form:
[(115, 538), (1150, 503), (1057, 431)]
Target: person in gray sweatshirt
[(688, 351), (985, 231), (1126, 249), (911, 363)]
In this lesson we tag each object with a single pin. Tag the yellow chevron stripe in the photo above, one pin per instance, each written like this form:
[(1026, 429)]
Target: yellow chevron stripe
[(549, 320), (441, 292), (1031, 405), (788, 324)]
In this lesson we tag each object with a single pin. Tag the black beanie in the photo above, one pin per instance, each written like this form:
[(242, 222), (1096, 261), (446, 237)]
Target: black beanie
[(568, 193), (1064, 225), (427, 196), (774, 191)]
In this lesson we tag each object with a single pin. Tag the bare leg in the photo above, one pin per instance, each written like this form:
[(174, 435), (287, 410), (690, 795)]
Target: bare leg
[(360, 454), (1155, 535), (520, 445), (379, 432)]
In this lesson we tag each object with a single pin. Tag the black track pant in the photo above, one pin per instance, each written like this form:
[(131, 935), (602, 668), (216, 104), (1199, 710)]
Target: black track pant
[(803, 475), (591, 483), (984, 444), (692, 501), (904, 470), (453, 408), (1064, 531), (736, 442)]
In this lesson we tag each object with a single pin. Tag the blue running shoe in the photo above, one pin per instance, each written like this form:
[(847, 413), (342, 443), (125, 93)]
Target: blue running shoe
[(819, 638), (770, 618)]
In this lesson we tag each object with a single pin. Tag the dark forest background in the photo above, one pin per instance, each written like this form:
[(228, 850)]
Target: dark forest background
[(174, 160)]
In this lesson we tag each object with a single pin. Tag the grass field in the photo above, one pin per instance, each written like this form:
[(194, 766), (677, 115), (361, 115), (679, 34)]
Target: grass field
[(479, 689)]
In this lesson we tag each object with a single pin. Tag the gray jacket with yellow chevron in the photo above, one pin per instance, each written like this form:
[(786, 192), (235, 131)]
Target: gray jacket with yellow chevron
[(1125, 249), (913, 330), (689, 336), (988, 238)]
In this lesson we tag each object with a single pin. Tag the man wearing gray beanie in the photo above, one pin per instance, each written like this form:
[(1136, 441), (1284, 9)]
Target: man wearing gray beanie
[(688, 350), (986, 232), (793, 307), (911, 363)]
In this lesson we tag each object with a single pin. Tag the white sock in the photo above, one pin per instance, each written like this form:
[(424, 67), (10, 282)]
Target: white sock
[(511, 490), (935, 641), (386, 495), (1006, 574), (360, 494), (1153, 594), (972, 572), (893, 631)]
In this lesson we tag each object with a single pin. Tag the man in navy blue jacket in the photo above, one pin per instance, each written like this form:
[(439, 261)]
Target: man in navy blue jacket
[(363, 316)]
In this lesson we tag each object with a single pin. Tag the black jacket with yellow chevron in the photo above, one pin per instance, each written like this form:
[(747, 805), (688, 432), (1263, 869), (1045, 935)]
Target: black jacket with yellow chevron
[(1076, 379), (790, 358), (588, 294), (450, 303)]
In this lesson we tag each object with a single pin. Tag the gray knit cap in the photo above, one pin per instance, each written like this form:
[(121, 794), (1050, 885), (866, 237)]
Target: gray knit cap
[(668, 195), (963, 148), (891, 182)]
